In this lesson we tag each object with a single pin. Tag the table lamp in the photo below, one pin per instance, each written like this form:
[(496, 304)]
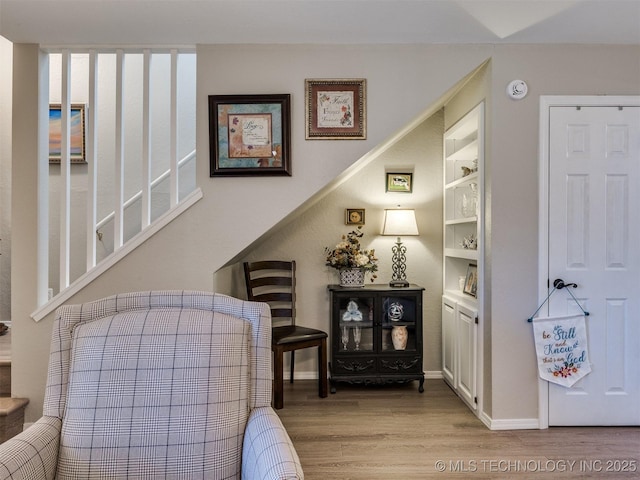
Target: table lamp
[(399, 222)]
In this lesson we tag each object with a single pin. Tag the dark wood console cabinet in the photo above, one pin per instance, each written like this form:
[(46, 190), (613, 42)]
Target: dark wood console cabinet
[(376, 335)]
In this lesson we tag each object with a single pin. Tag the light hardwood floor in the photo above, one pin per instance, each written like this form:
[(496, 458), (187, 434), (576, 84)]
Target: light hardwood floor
[(394, 432)]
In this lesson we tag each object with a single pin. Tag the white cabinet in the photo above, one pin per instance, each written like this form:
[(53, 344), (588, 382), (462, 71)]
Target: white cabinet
[(466, 334), (449, 340), (459, 349), (463, 253)]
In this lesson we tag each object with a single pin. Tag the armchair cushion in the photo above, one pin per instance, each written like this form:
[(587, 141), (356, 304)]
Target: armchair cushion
[(145, 392)]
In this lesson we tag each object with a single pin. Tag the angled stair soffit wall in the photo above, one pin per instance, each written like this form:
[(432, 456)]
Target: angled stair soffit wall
[(360, 164)]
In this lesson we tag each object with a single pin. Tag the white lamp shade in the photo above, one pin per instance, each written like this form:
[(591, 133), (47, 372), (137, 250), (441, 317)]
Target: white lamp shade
[(400, 222)]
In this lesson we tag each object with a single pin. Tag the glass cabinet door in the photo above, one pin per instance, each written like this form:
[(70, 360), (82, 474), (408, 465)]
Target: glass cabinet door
[(356, 323), (398, 323)]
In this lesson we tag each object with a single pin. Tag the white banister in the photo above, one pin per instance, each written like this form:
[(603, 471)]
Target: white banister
[(77, 285), (118, 231), (65, 171), (134, 198), (124, 80), (146, 141), (173, 165), (91, 114)]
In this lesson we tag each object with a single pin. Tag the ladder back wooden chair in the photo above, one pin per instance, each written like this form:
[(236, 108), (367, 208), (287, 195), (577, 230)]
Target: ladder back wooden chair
[(274, 282)]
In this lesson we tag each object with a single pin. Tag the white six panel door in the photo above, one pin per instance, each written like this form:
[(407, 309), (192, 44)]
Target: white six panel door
[(594, 241)]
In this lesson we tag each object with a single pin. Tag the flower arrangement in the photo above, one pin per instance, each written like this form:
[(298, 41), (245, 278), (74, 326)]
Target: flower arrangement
[(350, 254)]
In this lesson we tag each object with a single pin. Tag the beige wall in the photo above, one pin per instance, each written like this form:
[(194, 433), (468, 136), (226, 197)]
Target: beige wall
[(550, 70), (403, 82), (322, 225)]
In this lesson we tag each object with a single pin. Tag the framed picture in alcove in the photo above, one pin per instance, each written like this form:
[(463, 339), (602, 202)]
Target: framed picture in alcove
[(471, 280), (399, 182)]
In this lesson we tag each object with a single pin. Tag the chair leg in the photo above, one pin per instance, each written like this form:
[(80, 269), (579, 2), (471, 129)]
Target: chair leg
[(293, 361), (278, 385), (323, 383)]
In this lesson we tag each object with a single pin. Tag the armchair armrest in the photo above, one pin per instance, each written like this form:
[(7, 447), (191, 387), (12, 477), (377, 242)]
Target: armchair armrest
[(32, 454), (268, 453)]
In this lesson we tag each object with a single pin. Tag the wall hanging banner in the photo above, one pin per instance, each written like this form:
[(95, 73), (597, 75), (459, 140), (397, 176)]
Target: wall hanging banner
[(561, 347)]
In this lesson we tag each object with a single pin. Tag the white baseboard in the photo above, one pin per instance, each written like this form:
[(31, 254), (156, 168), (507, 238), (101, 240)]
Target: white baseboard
[(485, 419), (511, 423)]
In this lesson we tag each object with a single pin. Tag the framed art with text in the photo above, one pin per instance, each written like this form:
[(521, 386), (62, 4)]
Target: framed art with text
[(249, 135), (336, 109)]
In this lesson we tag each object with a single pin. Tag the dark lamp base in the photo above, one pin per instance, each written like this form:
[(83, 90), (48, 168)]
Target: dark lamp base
[(398, 283)]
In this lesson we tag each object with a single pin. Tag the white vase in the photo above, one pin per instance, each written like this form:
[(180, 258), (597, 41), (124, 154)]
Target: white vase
[(352, 277), (399, 336)]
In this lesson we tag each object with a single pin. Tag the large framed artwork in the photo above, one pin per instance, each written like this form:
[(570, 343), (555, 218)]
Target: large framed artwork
[(336, 109), (249, 135), (77, 133)]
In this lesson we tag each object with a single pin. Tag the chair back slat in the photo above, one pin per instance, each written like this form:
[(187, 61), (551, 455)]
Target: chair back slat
[(280, 313), (273, 282)]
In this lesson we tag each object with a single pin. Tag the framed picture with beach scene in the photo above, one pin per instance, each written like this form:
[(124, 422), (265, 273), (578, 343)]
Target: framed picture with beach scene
[(77, 133)]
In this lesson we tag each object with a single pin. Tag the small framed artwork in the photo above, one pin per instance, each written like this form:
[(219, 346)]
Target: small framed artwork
[(471, 281), (336, 109), (77, 133), (354, 216), (399, 182), (249, 135)]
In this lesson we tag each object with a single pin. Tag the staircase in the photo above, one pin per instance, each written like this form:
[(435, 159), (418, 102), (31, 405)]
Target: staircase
[(11, 409)]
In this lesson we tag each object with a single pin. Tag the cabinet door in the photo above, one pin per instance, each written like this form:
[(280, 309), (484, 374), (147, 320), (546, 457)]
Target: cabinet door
[(399, 324), (448, 340), (467, 332), (354, 321)]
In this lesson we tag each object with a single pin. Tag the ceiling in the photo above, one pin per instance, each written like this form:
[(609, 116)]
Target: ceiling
[(190, 22)]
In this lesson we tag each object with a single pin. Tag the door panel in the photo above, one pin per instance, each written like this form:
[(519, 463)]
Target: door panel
[(594, 241), (467, 332), (448, 341)]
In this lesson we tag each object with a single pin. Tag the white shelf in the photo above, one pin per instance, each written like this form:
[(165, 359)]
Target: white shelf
[(468, 152), (461, 221), (464, 127), (463, 181), (461, 253)]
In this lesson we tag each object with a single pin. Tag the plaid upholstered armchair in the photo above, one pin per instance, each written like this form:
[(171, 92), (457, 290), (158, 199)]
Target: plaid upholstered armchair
[(157, 385)]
